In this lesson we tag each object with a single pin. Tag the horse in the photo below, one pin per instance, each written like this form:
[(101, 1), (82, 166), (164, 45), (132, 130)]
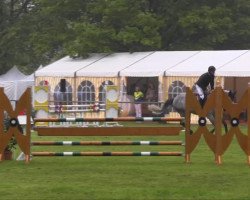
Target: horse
[(178, 104)]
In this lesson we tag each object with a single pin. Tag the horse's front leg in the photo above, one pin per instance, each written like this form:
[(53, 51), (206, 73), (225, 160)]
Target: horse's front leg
[(182, 123), (225, 125), (211, 118)]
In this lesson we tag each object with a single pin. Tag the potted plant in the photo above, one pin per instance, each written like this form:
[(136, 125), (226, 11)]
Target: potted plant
[(8, 151)]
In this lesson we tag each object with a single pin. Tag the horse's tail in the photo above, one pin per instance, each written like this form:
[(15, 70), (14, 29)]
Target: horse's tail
[(165, 106), (161, 111)]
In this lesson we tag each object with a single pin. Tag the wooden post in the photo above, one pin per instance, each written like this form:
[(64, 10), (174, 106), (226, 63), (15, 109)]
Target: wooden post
[(218, 126), (248, 123), (23, 140), (187, 127)]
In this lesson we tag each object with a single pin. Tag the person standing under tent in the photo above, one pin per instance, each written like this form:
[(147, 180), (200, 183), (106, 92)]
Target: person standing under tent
[(150, 94), (203, 82), (138, 97)]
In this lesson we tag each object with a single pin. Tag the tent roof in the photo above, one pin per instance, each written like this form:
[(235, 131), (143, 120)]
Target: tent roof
[(66, 67), (149, 64), (15, 83), (111, 65), (199, 63), (238, 67), (12, 75), (156, 63)]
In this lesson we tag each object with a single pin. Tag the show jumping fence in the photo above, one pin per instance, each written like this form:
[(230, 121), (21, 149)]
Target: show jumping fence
[(105, 143), (218, 102), (108, 131)]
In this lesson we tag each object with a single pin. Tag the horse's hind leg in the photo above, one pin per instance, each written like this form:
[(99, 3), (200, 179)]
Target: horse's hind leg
[(182, 122)]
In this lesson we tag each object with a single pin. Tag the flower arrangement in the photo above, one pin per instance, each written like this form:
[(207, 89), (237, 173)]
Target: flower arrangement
[(12, 145)]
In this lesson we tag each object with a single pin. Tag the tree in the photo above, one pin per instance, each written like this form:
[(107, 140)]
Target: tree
[(35, 32), (114, 26), (206, 24), (13, 43)]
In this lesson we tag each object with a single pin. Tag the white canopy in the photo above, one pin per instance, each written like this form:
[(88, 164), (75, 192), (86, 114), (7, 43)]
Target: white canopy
[(156, 63), (239, 67), (12, 74), (151, 64), (199, 63), (111, 65), (15, 83), (66, 67)]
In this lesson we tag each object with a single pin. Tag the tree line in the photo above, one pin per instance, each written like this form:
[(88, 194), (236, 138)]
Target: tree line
[(37, 32)]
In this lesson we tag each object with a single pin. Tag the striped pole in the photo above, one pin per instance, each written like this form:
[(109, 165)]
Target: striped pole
[(88, 143), (107, 154), (119, 119), (71, 111), (79, 105)]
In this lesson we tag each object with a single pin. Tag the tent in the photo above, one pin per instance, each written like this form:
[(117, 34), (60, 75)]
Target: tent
[(12, 74), (199, 63), (238, 67), (156, 63), (15, 83), (171, 70)]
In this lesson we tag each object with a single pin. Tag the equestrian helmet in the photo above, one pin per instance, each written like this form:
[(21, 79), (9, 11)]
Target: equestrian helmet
[(211, 69)]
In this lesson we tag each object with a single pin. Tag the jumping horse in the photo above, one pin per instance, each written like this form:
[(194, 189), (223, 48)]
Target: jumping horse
[(178, 104)]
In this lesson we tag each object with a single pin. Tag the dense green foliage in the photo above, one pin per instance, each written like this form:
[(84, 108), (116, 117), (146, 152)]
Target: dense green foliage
[(35, 32)]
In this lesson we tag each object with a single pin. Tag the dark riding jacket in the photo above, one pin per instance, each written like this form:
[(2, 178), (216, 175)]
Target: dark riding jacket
[(204, 80)]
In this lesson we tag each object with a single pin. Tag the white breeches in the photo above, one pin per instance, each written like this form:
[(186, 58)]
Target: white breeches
[(199, 91)]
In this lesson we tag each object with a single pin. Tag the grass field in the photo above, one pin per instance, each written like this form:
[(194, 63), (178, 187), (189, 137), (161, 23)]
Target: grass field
[(127, 177)]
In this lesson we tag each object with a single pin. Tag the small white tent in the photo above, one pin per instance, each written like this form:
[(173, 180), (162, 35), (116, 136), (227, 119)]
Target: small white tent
[(15, 83), (12, 74)]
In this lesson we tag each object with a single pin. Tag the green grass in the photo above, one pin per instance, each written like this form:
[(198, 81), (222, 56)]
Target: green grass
[(127, 177)]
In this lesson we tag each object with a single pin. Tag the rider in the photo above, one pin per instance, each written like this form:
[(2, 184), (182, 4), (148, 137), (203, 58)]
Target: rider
[(203, 82)]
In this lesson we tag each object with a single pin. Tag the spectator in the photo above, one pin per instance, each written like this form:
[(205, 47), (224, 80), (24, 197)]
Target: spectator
[(150, 94), (138, 96)]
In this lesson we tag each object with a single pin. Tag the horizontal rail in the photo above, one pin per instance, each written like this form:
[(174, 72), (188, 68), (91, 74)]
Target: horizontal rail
[(74, 105), (94, 102), (88, 143), (119, 119), (72, 111), (107, 131), (107, 154)]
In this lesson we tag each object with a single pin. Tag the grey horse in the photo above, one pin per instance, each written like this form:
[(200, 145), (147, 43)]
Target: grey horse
[(178, 104)]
